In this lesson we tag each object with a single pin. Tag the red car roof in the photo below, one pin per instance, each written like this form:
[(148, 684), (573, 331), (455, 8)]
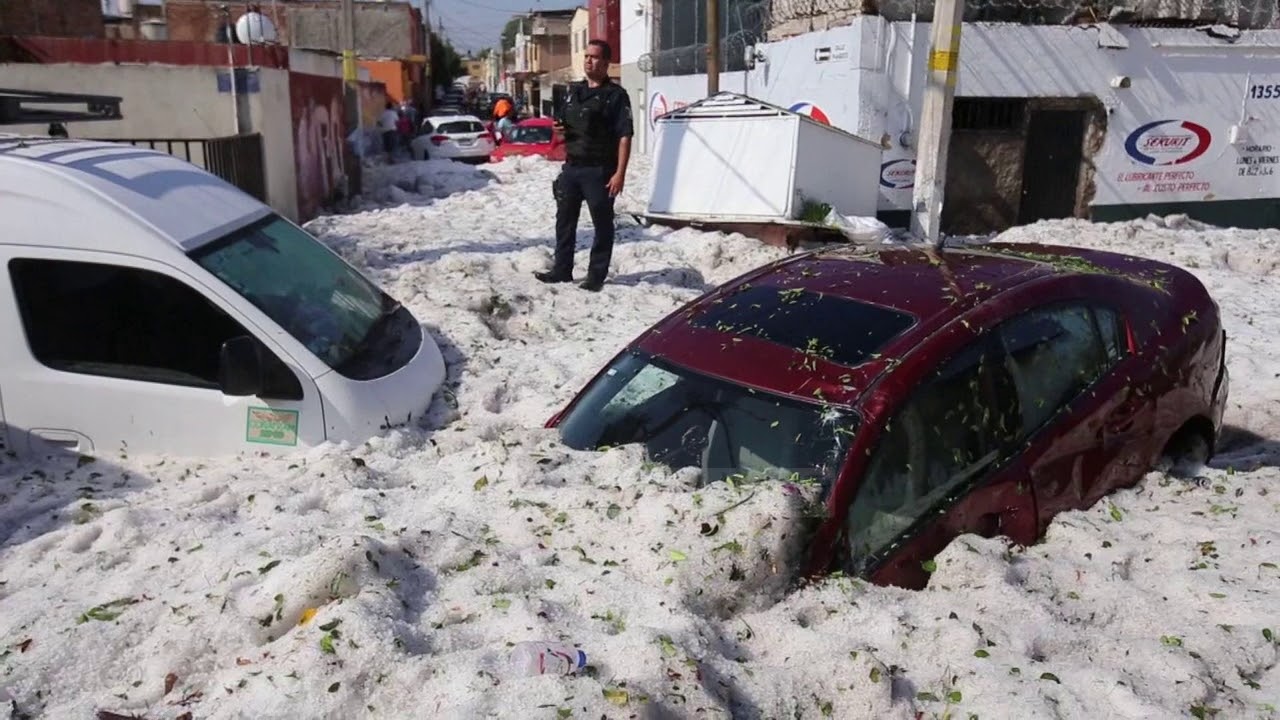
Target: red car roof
[(931, 288)]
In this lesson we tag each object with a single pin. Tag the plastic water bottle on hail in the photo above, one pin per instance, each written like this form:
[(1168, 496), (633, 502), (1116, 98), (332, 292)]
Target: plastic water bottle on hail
[(543, 657)]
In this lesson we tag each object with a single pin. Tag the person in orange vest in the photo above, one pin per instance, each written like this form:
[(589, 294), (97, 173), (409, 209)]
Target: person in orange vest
[(503, 111)]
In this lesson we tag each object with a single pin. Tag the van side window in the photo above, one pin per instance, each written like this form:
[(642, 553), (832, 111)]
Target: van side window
[(128, 323)]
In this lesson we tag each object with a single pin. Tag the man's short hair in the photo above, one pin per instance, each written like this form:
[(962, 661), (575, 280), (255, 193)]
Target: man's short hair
[(604, 48)]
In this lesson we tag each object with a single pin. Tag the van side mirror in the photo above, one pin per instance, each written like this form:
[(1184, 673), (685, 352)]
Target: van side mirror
[(240, 367)]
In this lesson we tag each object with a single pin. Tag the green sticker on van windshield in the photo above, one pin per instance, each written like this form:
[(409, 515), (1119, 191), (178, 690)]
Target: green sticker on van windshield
[(272, 427)]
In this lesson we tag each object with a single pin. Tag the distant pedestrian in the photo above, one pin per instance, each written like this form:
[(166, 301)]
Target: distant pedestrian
[(404, 129), (597, 127), (387, 122)]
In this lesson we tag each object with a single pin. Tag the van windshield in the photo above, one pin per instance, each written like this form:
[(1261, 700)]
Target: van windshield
[(320, 300)]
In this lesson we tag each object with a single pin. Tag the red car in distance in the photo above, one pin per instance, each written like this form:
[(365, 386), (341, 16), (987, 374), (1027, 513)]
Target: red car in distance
[(930, 394), (534, 136)]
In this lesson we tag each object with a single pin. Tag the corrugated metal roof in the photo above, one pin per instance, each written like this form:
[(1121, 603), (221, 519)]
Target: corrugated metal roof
[(727, 104)]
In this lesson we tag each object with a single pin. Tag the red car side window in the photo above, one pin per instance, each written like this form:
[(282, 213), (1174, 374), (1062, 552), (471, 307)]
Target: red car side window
[(973, 412), (1053, 354), (948, 433)]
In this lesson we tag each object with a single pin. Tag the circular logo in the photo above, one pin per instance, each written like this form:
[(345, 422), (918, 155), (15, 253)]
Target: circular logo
[(1168, 142), (657, 107), (810, 111), (898, 174)]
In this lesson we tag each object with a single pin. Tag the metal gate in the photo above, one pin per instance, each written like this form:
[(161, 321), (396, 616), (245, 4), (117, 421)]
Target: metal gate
[(238, 159)]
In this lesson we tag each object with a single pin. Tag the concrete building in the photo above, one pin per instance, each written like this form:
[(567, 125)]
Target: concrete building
[(542, 59), (552, 51), (1102, 121), (390, 37), (285, 111), (605, 22), (635, 42), (493, 72), (52, 18), (579, 35)]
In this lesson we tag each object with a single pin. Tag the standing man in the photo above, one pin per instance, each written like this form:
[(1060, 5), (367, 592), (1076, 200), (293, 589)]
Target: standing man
[(597, 127), (387, 123)]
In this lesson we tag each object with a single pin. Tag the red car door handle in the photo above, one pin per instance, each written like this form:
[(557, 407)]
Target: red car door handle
[(988, 525)]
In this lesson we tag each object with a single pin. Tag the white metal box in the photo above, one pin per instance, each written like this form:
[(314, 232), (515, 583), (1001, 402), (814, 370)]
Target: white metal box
[(734, 157)]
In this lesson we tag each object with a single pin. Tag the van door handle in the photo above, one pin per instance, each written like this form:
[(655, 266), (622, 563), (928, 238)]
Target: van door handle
[(68, 439)]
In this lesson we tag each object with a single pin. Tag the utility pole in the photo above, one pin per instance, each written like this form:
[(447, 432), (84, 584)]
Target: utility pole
[(713, 47), (428, 73), (231, 67), (347, 36), (935, 120), (351, 91)]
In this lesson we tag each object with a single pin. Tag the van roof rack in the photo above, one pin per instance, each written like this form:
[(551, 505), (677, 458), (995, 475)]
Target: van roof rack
[(14, 108)]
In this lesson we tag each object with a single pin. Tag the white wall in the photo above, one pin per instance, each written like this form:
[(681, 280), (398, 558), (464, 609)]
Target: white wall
[(312, 62), (1202, 84), (793, 75), (1175, 74), (158, 101), (635, 25), (273, 117)]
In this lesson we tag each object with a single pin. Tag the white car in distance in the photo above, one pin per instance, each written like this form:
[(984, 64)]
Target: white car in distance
[(453, 137)]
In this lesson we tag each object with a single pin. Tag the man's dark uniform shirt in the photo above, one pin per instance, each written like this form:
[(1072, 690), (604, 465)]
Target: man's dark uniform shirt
[(595, 118)]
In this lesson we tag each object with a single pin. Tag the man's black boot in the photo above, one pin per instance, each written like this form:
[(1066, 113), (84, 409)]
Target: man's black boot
[(591, 284), (551, 277)]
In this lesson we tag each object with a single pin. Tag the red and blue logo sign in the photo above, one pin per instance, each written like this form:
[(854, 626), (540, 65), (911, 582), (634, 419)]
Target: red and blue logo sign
[(898, 174), (657, 107), (811, 111), (1168, 142)]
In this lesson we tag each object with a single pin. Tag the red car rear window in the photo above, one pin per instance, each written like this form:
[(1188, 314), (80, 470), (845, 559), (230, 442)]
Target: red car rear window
[(460, 127), (841, 330), (531, 135)]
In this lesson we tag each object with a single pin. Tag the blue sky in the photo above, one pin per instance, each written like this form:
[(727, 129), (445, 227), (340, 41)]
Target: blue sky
[(473, 25)]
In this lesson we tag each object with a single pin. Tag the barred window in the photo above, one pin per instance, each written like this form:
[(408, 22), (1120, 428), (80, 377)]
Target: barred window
[(680, 38)]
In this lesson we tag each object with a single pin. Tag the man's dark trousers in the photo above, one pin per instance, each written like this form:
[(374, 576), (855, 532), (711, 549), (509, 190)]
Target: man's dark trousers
[(576, 184)]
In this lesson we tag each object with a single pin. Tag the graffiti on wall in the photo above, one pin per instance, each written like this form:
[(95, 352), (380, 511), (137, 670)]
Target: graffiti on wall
[(319, 138)]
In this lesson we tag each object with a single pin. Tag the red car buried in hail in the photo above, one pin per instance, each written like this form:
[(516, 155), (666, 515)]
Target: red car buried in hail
[(535, 136), (931, 394)]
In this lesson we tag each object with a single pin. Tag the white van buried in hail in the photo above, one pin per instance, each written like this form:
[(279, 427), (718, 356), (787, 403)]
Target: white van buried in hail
[(147, 305)]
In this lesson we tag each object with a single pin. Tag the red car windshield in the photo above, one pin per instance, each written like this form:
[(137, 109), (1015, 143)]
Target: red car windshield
[(531, 135), (685, 419)]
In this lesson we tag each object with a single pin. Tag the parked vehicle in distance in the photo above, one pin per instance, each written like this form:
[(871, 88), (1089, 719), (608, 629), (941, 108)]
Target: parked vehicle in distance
[(149, 306), (535, 136), (931, 394), (453, 137)]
